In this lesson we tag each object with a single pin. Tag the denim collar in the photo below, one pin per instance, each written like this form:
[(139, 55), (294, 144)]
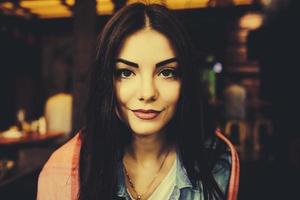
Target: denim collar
[(182, 180), (121, 189)]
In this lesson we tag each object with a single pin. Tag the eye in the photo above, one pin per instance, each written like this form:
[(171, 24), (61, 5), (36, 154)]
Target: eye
[(124, 73), (168, 73)]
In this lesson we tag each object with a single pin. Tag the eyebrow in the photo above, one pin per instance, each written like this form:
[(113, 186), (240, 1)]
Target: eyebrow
[(159, 64)]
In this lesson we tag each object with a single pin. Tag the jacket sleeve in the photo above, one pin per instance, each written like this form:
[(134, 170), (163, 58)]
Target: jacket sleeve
[(58, 179), (53, 182)]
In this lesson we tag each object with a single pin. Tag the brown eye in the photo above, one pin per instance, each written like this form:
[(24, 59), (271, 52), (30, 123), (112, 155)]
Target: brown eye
[(168, 73), (124, 73)]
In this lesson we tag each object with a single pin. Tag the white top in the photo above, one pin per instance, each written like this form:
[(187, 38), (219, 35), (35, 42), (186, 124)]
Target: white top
[(165, 188)]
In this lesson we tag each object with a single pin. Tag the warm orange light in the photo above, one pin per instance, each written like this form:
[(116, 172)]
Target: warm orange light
[(104, 1), (179, 4), (52, 12), (54, 9), (45, 8), (105, 7), (39, 3), (251, 21), (7, 5), (242, 2), (70, 2), (20, 12)]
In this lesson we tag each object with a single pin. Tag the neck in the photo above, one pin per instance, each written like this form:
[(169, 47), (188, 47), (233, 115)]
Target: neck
[(147, 149)]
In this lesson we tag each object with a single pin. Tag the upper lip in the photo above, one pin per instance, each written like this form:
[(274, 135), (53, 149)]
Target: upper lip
[(146, 111)]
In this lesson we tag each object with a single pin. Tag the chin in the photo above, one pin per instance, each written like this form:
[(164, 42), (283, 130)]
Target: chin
[(145, 130)]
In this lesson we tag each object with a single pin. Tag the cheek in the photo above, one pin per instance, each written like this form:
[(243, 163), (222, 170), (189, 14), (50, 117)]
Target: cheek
[(170, 93), (124, 92)]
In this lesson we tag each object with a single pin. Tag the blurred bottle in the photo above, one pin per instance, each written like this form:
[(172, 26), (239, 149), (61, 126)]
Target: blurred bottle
[(20, 119), (21, 123)]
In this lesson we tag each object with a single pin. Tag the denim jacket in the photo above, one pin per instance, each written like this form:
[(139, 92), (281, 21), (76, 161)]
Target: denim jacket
[(184, 189)]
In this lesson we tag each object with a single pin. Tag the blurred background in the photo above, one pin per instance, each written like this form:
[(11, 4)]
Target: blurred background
[(246, 50)]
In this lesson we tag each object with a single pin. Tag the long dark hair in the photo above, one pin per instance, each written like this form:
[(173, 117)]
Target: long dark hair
[(104, 136)]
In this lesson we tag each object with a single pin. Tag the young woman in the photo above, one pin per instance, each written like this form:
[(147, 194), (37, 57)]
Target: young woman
[(143, 137)]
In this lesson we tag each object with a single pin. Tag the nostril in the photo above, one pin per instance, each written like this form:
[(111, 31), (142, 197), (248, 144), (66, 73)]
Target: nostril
[(148, 92), (151, 98)]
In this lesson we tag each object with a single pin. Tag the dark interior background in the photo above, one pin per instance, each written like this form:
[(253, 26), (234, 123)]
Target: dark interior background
[(37, 60)]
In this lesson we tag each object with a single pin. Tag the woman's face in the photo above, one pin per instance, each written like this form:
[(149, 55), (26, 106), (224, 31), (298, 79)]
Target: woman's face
[(146, 82)]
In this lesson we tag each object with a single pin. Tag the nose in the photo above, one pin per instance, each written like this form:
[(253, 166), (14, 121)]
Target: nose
[(148, 91)]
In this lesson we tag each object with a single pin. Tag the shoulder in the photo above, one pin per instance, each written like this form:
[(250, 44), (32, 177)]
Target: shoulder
[(56, 175), (64, 155)]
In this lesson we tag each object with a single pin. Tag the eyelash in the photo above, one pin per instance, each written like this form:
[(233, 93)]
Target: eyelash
[(120, 73), (173, 71)]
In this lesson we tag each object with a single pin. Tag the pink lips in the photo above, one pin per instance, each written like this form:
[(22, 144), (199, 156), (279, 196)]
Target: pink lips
[(146, 114)]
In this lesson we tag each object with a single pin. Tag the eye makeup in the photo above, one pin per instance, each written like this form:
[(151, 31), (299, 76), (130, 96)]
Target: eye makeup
[(167, 69), (169, 72), (123, 73)]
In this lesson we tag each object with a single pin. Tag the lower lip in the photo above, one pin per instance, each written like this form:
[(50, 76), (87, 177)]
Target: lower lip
[(146, 116)]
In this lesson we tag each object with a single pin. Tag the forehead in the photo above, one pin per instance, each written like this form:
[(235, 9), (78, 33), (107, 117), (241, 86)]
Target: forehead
[(146, 46)]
